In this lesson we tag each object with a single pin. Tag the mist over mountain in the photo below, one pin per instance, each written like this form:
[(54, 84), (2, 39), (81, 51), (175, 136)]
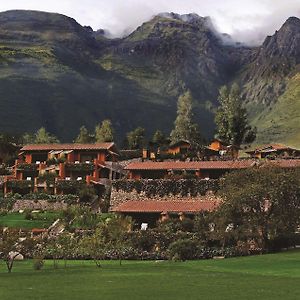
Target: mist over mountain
[(59, 74)]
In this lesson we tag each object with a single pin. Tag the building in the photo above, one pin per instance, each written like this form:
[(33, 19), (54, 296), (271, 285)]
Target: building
[(217, 145), (199, 169), (180, 147), (150, 212), (273, 150), (45, 167), (223, 149)]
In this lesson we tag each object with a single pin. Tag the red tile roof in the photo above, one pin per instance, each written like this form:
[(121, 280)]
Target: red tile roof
[(38, 230), (49, 147), (285, 163), (271, 147), (167, 206), (192, 165)]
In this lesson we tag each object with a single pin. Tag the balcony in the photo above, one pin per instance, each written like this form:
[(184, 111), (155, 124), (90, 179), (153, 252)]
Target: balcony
[(80, 167), (27, 167)]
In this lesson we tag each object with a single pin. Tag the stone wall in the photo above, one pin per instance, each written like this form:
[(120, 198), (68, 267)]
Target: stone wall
[(161, 190), (38, 205)]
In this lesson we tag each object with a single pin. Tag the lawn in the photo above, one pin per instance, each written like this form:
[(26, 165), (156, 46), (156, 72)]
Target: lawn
[(273, 276), (17, 220)]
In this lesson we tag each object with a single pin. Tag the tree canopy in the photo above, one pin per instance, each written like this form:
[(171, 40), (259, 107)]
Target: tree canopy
[(84, 136), (104, 132), (184, 126), (41, 136), (260, 204), (136, 138), (231, 118)]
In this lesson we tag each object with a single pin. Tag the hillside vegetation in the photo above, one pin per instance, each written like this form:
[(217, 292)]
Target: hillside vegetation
[(61, 75)]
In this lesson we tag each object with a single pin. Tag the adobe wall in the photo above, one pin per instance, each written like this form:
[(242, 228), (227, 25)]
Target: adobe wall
[(161, 190), (38, 205)]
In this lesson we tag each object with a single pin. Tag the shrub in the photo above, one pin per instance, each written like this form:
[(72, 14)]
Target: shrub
[(28, 215), (183, 250), (38, 264), (87, 194), (7, 203)]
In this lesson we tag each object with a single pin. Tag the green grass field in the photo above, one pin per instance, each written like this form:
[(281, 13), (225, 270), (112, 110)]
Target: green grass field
[(17, 220), (274, 276)]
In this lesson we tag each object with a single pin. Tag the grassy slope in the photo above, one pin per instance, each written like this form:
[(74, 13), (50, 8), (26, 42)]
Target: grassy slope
[(282, 122), (36, 90), (17, 220), (274, 276)]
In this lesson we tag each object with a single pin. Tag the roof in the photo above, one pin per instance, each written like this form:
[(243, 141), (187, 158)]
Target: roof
[(191, 165), (178, 143), (49, 147), (166, 206), (271, 148), (38, 230), (286, 163), (218, 140)]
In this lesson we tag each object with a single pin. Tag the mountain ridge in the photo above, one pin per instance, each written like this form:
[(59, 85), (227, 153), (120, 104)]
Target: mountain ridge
[(62, 75)]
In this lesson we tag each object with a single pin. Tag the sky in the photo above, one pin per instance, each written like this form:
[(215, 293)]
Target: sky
[(247, 21)]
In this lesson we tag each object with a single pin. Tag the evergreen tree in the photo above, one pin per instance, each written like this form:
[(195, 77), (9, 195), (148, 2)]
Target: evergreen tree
[(185, 128), (44, 137), (159, 138), (28, 138), (136, 138), (104, 132), (231, 118), (83, 136)]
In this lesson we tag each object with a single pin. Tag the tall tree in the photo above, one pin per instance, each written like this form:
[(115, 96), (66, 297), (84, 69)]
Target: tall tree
[(262, 204), (185, 128), (231, 118), (159, 138), (104, 132), (83, 137), (44, 137), (136, 138)]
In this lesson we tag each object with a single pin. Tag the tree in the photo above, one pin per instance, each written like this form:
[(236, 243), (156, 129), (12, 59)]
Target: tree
[(136, 138), (9, 247), (94, 246), (114, 233), (44, 137), (159, 138), (83, 137), (260, 204), (8, 149), (231, 118), (87, 194), (185, 128), (69, 246), (104, 132)]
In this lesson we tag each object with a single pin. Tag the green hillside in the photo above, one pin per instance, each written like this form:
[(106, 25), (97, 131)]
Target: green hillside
[(281, 122), (61, 75)]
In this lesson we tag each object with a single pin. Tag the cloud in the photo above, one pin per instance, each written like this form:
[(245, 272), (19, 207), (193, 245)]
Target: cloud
[(248, 21)]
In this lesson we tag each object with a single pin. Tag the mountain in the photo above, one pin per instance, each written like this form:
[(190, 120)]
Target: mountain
[(271, 86), (56, 73), (50, 77)]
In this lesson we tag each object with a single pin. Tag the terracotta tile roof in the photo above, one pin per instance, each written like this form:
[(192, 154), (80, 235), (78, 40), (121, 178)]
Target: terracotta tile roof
[(38, 230), (192, 165), (177, 144), (167, 206), (271, 147), (285, 163), (49, 147)]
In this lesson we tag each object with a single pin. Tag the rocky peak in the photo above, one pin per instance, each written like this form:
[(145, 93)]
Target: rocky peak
[(285, 42)]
